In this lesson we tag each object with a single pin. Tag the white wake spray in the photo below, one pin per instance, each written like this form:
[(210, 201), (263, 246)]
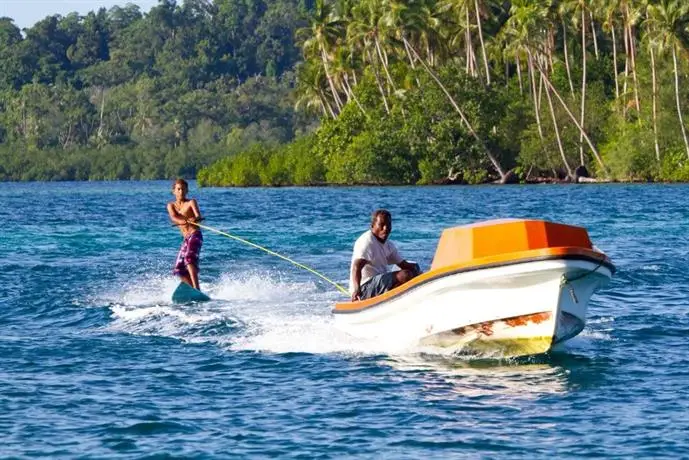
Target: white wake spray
[(253, 311)]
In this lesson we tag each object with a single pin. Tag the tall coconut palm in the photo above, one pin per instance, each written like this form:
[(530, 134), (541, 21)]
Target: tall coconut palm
[(579, 9), (632, 14), (343, 65), (415, 21), (320, 39), (364, 36), (608, 10), (668, 23), (651, 45), (526, 29), (458, 15), (311, 87), (480, 10)]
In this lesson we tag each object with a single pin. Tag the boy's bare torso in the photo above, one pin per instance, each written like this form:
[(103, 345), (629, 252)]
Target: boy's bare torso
[(185, 211)]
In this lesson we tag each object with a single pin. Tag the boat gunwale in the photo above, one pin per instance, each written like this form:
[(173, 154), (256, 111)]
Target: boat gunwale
[(503, 260)]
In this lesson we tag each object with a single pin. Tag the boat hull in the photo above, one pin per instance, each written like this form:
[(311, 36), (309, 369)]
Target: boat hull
[(513, 310)]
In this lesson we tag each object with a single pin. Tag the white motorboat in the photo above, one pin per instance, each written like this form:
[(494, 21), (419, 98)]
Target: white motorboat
[(514, 287)]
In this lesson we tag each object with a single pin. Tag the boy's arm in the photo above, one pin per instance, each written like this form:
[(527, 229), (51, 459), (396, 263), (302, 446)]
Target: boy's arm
[(175, 217), (196, 211)]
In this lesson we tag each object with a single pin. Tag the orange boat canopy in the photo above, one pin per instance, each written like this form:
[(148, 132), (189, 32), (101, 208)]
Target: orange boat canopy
[(461, 245)]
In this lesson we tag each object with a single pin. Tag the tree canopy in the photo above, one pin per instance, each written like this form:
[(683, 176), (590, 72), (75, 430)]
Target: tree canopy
[(427, 91), (120, 94), (252, 92)]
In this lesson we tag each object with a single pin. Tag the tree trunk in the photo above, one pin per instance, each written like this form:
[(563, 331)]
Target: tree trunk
[(655, 97), (679, 107), (351, 93), (583, 86), (102, 112), (336, 97), (491, 157), (519, 75), (378, 82), (411, 62), (385, 67), (593, 34), (471, 59), (326, 104), (633, 63), (536, 105), (570, 174), (564, 42), (614, 62), (483, 46), (574, 119), (626, 70)]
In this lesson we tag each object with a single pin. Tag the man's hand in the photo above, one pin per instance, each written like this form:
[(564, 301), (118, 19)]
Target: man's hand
[(355, 296)]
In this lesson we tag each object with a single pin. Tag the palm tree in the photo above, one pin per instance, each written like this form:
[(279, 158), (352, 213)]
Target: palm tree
[(343, 64), (631, 14), (414, 20), (480, 8), (668, 22), (580, 9), (526, 29), (609, 9), (311, 84), (458, 13), (651, 49), (364, 36), (320, 40)]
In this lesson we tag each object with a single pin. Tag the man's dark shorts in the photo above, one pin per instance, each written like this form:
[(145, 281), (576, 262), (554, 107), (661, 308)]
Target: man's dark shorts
[(382, 283), (377, 285)]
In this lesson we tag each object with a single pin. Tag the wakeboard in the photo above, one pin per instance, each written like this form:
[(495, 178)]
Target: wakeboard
[(185, 294)]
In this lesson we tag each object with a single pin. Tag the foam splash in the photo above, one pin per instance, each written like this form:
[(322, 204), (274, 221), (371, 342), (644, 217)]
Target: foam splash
[(262, 312), (255, 311)]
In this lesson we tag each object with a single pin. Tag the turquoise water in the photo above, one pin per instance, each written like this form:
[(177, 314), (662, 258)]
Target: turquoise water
[(95, 361)]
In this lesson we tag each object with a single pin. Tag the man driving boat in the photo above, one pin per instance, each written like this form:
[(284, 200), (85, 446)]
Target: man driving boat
[(373, 252)]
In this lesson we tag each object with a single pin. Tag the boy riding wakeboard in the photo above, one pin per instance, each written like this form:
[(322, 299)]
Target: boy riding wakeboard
[(184, 212)]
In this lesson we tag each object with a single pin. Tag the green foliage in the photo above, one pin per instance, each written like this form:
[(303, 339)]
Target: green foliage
[(120, 95), (306, 167), (630, 155), (262, 164), (404, 93), (675, 166)]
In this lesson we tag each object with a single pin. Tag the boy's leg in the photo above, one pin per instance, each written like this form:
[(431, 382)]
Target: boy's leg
[(185, 278), (193, 276)]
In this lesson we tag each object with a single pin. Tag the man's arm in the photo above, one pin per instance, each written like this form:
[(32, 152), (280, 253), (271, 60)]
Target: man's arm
[(175, 217), (357, 267)]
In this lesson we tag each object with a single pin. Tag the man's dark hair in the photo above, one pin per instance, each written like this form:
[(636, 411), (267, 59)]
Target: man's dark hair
[(381, 212)]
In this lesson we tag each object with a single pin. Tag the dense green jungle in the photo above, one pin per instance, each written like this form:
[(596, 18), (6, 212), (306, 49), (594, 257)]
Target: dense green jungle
[(304, 92)]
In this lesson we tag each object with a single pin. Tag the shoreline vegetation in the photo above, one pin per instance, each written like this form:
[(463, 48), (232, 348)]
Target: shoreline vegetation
[(378, 92)]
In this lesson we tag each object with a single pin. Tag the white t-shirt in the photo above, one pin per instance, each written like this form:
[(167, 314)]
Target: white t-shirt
[(379, 256)]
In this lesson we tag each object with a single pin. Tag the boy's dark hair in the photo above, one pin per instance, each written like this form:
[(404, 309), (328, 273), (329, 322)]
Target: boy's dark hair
[(181, 182), (381, 212)]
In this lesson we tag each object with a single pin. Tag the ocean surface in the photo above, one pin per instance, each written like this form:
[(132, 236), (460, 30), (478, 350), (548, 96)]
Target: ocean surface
[(96, 362)]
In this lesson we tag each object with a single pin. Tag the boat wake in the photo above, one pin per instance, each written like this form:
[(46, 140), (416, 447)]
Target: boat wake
[(255, 312)]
